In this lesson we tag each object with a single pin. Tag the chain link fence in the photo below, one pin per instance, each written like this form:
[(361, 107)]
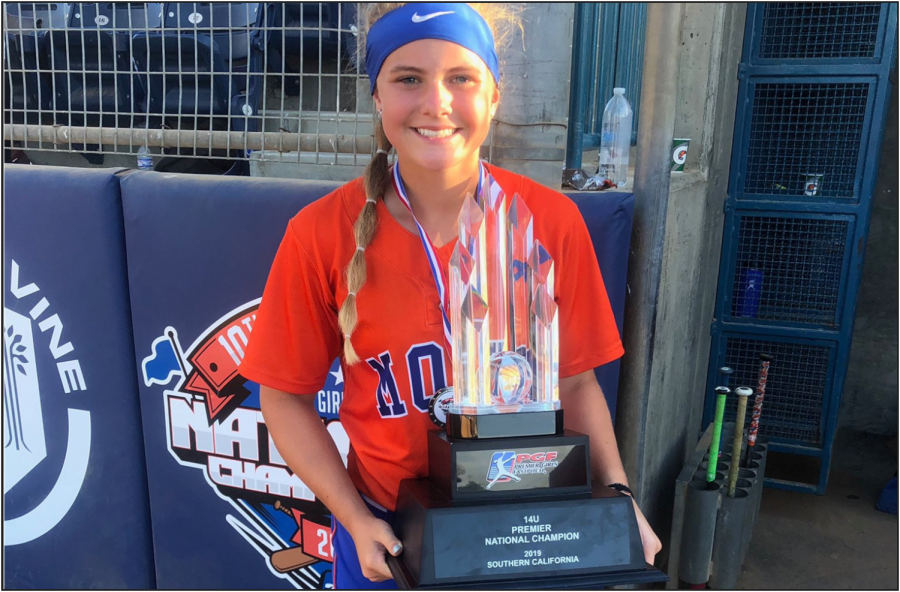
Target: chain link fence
[(273, 82)]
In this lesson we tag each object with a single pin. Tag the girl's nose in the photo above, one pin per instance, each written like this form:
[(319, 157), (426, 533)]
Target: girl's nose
[(437, 99)]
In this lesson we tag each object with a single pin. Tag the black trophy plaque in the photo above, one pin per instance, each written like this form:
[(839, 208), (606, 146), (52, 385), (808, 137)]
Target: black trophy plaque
[(515, 513)]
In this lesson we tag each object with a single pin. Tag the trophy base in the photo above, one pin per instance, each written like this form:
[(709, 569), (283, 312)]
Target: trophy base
[(580, 541), (485, 470), (504, 425)]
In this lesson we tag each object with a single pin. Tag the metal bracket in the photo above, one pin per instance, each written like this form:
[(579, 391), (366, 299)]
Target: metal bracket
[(728, 204)]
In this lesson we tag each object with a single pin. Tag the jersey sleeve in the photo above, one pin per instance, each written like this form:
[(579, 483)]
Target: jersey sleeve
[(587, 329), (295, 336)]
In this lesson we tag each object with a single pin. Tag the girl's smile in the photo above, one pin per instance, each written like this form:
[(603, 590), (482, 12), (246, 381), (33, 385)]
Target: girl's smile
[(436, 134)]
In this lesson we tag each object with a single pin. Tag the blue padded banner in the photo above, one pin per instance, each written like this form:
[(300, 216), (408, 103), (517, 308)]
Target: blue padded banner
[(609, 218), (199, 251), (76, 510)]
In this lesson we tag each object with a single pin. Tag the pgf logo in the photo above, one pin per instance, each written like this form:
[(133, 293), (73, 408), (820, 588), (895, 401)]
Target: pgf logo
[(507, 465)]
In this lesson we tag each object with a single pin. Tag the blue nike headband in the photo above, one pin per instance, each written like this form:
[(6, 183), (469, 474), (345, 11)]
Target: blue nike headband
[(450, 21)]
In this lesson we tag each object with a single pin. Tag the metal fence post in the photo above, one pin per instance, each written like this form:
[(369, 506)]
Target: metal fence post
[(582, 52)]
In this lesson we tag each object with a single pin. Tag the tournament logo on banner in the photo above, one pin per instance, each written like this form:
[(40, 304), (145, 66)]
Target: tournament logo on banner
[(214, 423), (33, 339)]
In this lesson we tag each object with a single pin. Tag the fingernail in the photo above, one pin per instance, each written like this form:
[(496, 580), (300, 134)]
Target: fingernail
[(396, 549)]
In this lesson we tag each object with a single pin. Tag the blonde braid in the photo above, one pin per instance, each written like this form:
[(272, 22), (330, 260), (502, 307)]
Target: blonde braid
[(376, 178)]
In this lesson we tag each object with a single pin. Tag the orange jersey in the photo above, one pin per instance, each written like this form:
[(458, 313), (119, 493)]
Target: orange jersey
[(399, 336)]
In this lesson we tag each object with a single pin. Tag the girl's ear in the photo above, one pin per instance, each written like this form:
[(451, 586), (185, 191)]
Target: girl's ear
[(377, 100), (495, 100)]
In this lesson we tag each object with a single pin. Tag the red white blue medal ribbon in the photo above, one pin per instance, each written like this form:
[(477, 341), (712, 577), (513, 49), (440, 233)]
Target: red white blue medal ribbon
[(433, 262)]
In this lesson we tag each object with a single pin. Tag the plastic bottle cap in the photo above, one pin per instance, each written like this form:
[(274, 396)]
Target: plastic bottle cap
[(618, 91)]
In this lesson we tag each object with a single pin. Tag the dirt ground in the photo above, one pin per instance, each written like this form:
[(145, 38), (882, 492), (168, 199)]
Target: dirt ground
[(835, 541)]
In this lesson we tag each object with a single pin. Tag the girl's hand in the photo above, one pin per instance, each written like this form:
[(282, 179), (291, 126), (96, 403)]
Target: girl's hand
[(373, 537), (651, 543)]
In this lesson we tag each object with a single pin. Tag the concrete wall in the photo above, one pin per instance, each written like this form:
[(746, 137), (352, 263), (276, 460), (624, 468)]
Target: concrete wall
[(870, 393), (529, 134), (662, 393)]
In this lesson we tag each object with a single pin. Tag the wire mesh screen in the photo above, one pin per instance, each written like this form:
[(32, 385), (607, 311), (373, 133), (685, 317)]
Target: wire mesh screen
[(795, 389), (800, 30), (804, 139), (217, 79), (789, 269)]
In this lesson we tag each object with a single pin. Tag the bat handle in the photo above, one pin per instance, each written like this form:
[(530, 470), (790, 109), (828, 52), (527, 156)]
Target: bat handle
[(725, 372), (743, 394), (765, 360), (715, 445)]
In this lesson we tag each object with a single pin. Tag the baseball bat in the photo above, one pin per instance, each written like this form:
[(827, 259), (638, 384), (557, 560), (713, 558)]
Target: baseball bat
[(714, 447), (743, 394), (765, 360), (725, 372)]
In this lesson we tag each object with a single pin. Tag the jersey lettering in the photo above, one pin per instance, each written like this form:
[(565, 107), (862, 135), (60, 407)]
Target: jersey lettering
[(421, 393), (387, 396)]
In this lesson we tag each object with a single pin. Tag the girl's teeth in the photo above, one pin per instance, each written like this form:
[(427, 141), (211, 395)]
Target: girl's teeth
[(436, 134)]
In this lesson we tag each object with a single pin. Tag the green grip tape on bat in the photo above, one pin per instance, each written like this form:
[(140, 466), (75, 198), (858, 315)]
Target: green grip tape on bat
[(721, 395)]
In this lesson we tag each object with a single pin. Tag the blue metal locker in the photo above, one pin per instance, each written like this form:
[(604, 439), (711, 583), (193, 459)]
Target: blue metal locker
[(808, 131)]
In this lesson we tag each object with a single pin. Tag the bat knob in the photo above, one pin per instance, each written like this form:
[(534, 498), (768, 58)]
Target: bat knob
[(722, 390), (743, 391), (766, 357), (726, 370)]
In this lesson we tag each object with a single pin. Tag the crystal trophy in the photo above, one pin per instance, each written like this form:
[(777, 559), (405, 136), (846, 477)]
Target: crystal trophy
[(509, 499), (503, 318)]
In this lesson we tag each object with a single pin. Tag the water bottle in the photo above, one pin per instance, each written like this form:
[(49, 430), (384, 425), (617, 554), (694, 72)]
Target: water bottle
[(615, 138), (749, 292), (144, 160)]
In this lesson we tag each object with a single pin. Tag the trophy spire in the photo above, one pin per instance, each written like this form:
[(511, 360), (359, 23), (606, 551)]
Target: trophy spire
[(503, 313)]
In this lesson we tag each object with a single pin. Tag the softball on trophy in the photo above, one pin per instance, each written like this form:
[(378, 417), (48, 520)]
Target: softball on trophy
[(511, 379)]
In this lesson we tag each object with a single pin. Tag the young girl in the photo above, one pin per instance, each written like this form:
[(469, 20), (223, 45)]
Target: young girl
[(352, 280)]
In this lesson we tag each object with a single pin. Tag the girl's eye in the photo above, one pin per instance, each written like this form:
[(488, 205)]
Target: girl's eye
[(408, 80), (462, 79)]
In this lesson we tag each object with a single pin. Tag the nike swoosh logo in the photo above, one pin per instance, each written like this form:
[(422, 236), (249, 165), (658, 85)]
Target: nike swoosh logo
[(421, 19)]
